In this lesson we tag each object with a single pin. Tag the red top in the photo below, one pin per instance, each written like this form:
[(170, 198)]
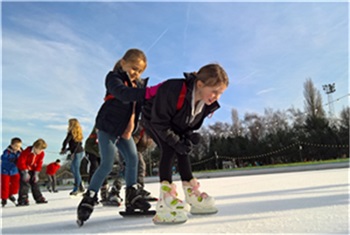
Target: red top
[(28, 160), (52, 168)]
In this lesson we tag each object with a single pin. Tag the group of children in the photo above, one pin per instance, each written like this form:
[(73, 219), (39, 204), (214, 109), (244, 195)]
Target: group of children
[(171, 112), (20, 171)]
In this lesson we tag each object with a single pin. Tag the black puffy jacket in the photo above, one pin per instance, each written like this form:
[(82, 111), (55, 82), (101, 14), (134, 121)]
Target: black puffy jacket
[(114, 114), (165, 119)]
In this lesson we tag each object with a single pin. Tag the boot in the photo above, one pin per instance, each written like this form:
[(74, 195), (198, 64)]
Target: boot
[(134, 200), (86, 206), (170, 209), (201, 203), (3, 202), (113, 198), (147, 195), (41, 200), (104, 192), (81, 188), (12, 199), (22, 201)]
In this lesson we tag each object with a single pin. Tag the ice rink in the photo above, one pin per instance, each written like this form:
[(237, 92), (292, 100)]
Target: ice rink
[(297, 202)]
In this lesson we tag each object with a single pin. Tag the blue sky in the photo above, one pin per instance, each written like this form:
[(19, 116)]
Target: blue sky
[(55, 56)]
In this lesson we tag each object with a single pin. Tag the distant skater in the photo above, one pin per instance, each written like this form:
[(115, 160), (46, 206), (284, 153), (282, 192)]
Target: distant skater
[(51, 170), (74, 140)]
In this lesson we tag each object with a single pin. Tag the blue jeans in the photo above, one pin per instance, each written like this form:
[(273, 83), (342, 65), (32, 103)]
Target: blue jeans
[(109, 145), (75, 169)]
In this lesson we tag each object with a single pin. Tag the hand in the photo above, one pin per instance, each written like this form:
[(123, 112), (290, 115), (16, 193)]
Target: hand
[(63, 151), (195, 138), (36, 177), (183, 147), (152, 91), (25, 176)]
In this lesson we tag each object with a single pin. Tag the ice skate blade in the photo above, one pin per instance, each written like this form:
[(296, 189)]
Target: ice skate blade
[(169, 223), (137, 213), (111, 204), (80, 223), (205, 211)]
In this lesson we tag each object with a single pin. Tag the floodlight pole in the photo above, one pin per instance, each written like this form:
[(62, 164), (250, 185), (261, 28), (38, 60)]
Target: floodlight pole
[(329, 89)]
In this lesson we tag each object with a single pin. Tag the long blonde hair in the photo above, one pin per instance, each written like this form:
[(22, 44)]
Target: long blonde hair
[(76, 130)]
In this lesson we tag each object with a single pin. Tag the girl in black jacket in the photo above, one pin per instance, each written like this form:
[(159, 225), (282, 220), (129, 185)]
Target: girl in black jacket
[(115, 122), (170, 118)]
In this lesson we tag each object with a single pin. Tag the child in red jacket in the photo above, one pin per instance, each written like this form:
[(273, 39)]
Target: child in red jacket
[(51, 170), (29, 165)]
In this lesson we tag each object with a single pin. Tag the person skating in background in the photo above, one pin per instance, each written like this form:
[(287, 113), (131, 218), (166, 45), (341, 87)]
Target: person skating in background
[(29, 164), (93, 155), (51, 170), (180, 107), (115, 122), (9, 171), (74, 140)]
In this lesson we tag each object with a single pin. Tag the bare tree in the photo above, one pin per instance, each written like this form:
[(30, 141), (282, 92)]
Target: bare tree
[(313, 100)]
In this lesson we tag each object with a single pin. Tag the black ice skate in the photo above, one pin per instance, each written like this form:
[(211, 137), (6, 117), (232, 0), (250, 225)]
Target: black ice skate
[(86, 207), (113, 198), (12, 199), (135, 204), (147, 195)]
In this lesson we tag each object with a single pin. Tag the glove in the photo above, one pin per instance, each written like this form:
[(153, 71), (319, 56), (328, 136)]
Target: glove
[(183, 147), (152, 91), (36, 177), (25, 176), (63, 151), (195, 138)]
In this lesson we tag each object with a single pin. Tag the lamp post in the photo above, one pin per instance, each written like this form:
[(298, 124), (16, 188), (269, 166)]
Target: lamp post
[(329, 89)]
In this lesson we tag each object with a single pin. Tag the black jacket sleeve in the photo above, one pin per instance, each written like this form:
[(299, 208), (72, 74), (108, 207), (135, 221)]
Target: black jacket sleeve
[(117, 88)]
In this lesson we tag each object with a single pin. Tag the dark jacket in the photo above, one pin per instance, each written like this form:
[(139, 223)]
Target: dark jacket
[(91, 144), (9, 160), (162, 115), (114, 114), (73, 146)]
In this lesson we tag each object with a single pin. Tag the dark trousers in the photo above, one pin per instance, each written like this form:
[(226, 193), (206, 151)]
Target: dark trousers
[(52, 182), (167, 158), (24, 188), (94, 163)]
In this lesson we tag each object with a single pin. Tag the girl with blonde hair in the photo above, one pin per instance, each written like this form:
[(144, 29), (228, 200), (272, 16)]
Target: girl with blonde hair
[(116, 120), (74, 141)]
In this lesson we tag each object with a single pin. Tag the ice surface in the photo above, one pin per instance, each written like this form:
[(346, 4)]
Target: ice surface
[(297, 202)]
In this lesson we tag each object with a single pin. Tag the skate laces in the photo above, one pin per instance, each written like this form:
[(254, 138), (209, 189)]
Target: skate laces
[(194, 189), (170, 192)]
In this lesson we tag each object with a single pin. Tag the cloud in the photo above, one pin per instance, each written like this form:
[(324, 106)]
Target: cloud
[(265, 91)]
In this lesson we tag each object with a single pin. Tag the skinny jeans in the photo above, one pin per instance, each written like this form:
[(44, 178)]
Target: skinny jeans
[(109, 145)]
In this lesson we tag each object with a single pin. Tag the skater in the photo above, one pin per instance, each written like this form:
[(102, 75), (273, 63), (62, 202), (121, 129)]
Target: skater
[(29, 164), (170, 118), (9, 171), (93, 155), (115, 122), (74, 140), (51, 170)]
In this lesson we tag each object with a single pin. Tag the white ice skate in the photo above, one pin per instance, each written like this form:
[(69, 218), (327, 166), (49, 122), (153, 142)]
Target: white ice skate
[(201, 203), (170, 209)]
